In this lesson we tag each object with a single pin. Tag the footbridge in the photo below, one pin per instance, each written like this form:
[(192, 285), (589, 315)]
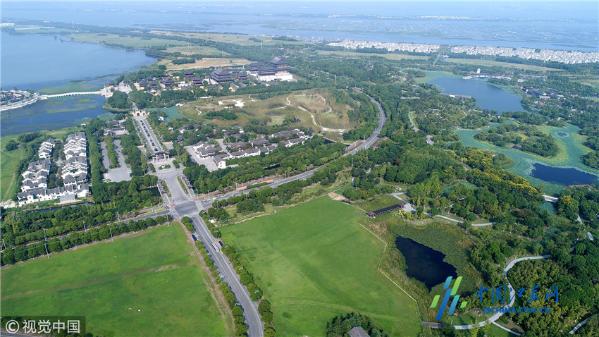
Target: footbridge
[(75, 93)]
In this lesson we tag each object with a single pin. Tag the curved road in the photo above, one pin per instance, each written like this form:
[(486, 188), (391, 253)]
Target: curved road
[(497, 315), (366, 144)]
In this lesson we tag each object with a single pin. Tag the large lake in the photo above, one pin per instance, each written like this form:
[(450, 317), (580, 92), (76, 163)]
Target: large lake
[(34, 61), (487, 96), (424, 264), (51, 63)]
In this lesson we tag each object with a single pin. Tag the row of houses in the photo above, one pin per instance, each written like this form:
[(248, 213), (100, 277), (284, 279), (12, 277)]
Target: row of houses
[(74, 171), (36, 175), (45, 150), (34, 187), (241, 149)]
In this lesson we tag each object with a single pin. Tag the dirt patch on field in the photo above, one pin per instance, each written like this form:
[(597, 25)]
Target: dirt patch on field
[(207, 62), (337, 197)]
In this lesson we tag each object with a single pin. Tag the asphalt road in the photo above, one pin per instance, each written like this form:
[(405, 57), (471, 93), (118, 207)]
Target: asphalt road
[(182, 205)]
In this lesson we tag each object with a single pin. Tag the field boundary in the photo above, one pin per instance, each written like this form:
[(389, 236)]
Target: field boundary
[(385, 245), (211, 283)]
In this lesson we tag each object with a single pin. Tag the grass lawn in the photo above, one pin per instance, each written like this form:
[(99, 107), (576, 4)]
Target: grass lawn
[(196, 50), (240, 39), (378, 202), (315, 261), (145, 284), (125, 40), (9, 163)]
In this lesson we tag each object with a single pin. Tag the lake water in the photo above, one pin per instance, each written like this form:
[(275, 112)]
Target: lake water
[(557, 25), (424, 263), (487, 96), (563, 175), (51, 114), (34, 61)]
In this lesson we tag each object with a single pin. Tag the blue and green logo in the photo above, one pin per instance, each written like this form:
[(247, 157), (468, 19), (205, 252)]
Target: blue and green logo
[(449, 292)]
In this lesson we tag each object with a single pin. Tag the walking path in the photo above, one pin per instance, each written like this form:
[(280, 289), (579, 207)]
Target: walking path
[(498, 315), (580, 325)]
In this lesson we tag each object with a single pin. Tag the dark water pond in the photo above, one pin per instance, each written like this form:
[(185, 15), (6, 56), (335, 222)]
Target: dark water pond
[(424, 263), (563, 175), (487, 96)]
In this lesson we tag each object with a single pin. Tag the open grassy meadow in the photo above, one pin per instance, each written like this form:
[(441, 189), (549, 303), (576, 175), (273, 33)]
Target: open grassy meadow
[(145, 284), (315, 261), (9, 164), (125, 41), (240, 39), (315, 109), (190, 50)]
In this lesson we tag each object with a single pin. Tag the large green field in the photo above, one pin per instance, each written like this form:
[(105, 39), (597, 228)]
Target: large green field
[(315, 261), (146, 284)]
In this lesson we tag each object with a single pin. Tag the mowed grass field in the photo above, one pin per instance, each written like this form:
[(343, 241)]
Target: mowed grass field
[(315, 261), (146, 284)]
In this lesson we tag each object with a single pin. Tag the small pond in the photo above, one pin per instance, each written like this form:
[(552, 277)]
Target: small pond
[(424, 263)]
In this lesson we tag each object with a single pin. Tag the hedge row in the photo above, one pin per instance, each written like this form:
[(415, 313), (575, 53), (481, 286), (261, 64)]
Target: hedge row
[(99, 233)]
